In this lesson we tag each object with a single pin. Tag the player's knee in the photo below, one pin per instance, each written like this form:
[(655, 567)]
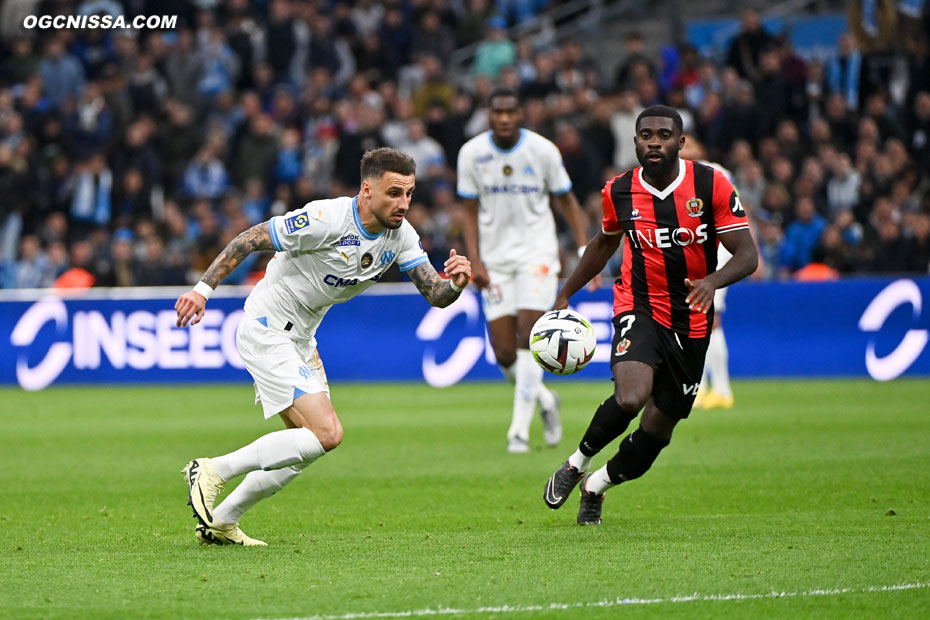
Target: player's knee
[(331, 438), (631, 401), (505, 357)]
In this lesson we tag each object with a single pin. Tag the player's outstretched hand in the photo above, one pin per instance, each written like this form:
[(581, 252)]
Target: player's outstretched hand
[(458, 268), (189, 306), (561, 302), (700, 295)]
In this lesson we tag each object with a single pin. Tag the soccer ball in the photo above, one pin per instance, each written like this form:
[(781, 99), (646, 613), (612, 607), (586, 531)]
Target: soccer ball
[(562, 342)]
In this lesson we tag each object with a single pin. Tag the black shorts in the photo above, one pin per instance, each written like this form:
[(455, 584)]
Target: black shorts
[(678, 361)]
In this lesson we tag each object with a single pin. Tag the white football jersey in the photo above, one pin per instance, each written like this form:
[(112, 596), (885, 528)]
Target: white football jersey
[(324, 257), (515, 222)]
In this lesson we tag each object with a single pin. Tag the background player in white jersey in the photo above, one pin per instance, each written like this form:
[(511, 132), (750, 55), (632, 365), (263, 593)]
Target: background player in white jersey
[(715, 390), (505, 178), (327, 252)]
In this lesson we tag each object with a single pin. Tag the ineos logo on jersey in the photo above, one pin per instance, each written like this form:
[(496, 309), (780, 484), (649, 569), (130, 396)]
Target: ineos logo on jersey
[(332, 280), (668, 237)]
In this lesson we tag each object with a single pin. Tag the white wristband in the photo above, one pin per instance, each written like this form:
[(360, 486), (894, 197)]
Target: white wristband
[(204, 289), (457, 289), (581, 249)]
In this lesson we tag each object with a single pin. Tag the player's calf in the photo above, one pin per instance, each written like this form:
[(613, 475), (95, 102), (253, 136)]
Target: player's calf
[(638, 451)]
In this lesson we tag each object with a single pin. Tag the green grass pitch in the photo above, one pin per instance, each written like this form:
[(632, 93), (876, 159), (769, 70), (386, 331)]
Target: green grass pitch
[(819, 490)]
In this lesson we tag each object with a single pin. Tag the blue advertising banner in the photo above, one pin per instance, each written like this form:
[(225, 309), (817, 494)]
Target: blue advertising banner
[(859, 327), (812, 36)]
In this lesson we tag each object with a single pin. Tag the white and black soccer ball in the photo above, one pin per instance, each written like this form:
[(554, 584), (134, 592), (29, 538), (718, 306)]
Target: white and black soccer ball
[(562, 342)]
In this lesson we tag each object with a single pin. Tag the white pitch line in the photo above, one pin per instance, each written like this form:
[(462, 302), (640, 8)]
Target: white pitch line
[(616, 602)]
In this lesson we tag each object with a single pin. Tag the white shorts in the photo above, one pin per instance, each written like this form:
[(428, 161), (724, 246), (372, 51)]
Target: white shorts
[(283, 368), (720, 300), (530, 288)]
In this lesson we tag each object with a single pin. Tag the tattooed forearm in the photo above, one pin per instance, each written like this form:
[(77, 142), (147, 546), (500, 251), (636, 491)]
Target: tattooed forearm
[(438, 292), (255, 239)]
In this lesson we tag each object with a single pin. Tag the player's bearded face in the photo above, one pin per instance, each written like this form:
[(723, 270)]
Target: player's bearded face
[(657, 145), (390, 198)]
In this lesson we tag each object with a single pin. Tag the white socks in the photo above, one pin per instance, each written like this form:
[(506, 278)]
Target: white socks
[(718, 363), (544, 395), (271, 451), (257, 486), (579, 461), (599, 482), (528, 378)]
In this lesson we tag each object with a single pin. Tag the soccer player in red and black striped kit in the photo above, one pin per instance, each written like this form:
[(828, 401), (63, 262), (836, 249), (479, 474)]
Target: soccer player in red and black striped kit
[(671, 214)]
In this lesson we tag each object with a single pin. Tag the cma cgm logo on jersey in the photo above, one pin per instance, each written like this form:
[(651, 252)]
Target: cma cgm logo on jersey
[(139, 340)]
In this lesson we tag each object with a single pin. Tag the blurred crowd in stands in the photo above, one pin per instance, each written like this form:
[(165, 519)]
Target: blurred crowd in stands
[(132, 157)]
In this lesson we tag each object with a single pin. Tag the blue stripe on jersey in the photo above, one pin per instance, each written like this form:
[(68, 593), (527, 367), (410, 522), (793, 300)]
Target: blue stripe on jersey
[(413, 263), (358, 222), (562, 191), (464, 195), (511, 149), (263, 320), (275, 240)]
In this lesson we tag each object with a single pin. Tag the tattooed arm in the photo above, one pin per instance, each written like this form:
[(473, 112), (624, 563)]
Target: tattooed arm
[(255, 239), (436, 290), (191, 305)]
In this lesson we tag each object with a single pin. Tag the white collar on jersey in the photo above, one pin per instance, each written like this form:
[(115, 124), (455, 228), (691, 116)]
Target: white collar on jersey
[(520, 141), (668, 190)]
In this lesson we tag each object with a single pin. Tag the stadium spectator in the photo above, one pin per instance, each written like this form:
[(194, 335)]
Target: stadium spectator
[(22, 62), (747, 47), (62, 73), (205, 176), (844, 72), (78, 274), (495, 51), (31, 269), (636, 64), (801, 237), (92, 197)]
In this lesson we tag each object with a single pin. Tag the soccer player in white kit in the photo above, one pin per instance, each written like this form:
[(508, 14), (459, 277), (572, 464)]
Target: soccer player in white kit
[(505, 179), (327, 253)]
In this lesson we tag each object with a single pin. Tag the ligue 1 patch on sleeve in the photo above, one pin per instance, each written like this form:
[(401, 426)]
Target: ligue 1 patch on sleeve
[(296, 222)]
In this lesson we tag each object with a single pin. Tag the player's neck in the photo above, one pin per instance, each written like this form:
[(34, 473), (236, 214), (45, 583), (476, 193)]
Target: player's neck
[(367, 217), (505, 144), (662, 178)]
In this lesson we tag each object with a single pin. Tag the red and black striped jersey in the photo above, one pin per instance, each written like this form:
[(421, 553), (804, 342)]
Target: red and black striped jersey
[(670, 235)]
